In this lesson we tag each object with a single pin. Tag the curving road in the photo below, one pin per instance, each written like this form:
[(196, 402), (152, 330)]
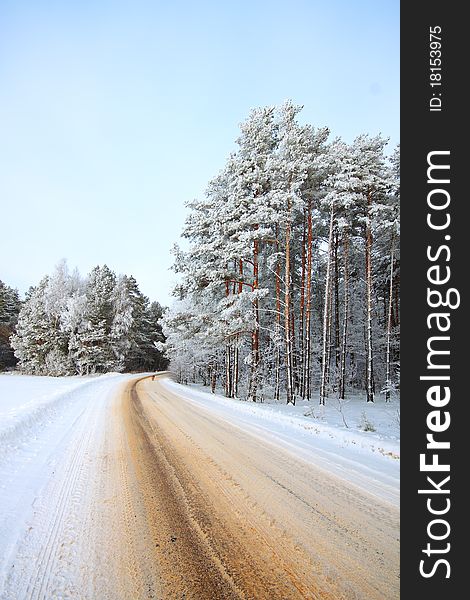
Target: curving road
[(156, 497)]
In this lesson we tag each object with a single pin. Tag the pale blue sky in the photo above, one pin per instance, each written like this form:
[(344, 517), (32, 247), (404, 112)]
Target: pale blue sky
[(113, 114)]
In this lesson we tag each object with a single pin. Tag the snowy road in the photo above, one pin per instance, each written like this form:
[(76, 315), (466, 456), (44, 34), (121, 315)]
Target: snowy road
[(128, 490)]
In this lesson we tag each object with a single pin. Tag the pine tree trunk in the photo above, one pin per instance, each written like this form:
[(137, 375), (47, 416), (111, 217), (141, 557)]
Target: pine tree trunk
[(240, 284), (236, 358), (336, 298), (295, 358), (369, 349), (213, 377), (277, 383), (329, 330), (397, 301), (389, 324), (228, 357), (308, 312), (255, 357), (344, 333), (326, 315), (277, 367), (235, 369), (228, 371), (302, 309), (287, 314)]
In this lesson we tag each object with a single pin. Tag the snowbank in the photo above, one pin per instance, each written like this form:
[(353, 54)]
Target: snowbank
[(29, 401)]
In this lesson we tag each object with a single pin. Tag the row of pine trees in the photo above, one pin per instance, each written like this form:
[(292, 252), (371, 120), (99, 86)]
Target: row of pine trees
[(70, 325), (289, 278)]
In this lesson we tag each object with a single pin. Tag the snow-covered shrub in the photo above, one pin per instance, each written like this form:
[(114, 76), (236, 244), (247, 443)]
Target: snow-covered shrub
[(365, 424)]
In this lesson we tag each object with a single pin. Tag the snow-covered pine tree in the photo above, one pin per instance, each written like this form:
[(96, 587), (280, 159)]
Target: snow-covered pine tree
[(124, 300), (340, 204), (372, 184), (40, 342), (151, 339), (60, 287), (312, 192), (32, 340), (251, 211), (290, 166), (386, 227), (135, 329), (93, 349), (74, 323)]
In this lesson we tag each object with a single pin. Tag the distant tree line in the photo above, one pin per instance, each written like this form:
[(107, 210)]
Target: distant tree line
[(9, 310), (289, 284), (70, 325)]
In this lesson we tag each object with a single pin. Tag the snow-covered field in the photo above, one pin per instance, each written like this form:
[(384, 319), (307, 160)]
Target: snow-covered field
[(366, 453)]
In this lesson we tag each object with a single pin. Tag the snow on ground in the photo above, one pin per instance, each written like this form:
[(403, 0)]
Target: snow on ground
[(37, 416), (369, 459)]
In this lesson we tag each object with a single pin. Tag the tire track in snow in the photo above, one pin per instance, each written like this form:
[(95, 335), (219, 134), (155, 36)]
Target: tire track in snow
[(55, 523), (138, 576)]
